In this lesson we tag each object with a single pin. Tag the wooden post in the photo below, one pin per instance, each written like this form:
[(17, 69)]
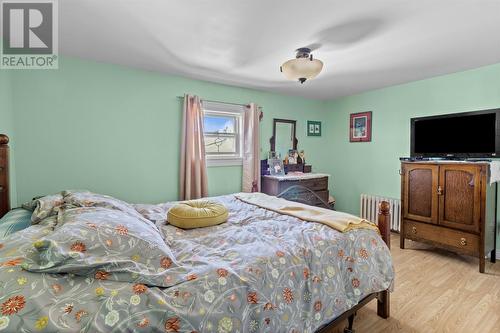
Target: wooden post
[(4, 175), (383, 222), (384, 225), (384, 304)]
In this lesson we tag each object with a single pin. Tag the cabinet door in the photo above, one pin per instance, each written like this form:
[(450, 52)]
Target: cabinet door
[(460, 196), (420, 192)]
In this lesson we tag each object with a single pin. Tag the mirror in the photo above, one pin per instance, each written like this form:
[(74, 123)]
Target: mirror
[(283, 138)]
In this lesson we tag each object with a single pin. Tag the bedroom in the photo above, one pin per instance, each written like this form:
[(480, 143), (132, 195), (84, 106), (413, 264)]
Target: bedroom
[(109, 119)]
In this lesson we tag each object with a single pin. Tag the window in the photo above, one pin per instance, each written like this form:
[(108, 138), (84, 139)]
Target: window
[(223, 125)]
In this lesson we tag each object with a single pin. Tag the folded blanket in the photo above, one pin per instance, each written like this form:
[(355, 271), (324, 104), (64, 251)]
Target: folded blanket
[(342, 222)]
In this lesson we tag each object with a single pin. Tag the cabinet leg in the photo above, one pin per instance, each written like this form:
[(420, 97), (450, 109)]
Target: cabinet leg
[(493, 257), (482, 263), (401, 242)]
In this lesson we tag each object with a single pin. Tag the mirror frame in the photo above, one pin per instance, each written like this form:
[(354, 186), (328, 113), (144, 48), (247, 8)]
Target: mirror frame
[(294, 131)]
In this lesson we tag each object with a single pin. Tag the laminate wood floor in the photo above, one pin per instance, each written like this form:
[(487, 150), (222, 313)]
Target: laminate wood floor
[(436, 291)]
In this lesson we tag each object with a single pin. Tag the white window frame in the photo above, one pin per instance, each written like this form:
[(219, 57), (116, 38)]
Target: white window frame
[(227, 110)]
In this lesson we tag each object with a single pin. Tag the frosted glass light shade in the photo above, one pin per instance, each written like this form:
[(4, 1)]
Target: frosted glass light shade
[(302, 68)]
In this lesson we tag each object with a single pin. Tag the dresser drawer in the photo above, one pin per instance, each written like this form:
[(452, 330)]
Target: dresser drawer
[(310, 198), (316, 184), (449, 238), (323, 195)]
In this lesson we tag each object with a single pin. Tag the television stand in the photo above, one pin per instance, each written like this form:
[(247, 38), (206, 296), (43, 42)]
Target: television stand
[(451, 205)]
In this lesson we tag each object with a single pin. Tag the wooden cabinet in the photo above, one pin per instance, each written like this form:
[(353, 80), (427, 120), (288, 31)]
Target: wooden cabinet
[(449, 205)]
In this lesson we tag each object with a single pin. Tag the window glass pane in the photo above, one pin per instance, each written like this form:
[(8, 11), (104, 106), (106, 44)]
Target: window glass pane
[(219, 124), (220, 144)]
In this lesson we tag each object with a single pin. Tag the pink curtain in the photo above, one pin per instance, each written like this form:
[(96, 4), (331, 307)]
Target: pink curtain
[(251, 149), (193, 173)]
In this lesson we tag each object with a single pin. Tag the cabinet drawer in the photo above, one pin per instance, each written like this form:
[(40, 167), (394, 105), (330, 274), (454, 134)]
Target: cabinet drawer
[(461, 241)]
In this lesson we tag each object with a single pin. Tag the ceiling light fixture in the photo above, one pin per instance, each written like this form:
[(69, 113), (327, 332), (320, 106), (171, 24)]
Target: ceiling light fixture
[(303, 67)]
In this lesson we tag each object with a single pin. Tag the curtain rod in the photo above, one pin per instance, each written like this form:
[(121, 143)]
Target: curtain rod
[(206, 100)]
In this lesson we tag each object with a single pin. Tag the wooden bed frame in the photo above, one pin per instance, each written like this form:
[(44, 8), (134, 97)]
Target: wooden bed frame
[(383, 300), (4, 175), (383, 222)]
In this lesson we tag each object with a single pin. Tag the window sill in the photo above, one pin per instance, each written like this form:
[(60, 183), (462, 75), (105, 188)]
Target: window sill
[(219, 162)]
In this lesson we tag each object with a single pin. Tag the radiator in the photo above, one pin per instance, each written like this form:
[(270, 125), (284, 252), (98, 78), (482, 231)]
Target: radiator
[(369, 209)]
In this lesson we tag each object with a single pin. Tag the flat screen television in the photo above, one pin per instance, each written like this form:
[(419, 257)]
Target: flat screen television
[(457, 135)]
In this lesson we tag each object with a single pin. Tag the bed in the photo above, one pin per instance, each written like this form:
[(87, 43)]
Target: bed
[(93, 263)]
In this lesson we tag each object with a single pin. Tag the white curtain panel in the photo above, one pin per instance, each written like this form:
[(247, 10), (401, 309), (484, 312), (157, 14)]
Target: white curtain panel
[(251, 149)]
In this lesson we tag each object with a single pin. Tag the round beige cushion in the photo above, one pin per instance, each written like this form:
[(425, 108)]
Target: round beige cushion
[(197, 214)]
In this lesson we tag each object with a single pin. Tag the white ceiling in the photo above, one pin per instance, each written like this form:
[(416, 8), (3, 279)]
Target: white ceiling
[(365, 44)]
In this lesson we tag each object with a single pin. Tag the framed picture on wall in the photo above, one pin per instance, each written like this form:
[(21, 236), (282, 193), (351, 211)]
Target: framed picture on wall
[(360, 126), (313, 128)]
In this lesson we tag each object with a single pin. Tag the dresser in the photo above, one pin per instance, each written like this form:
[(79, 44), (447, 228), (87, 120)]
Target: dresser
[(450, 205), (316, 182)]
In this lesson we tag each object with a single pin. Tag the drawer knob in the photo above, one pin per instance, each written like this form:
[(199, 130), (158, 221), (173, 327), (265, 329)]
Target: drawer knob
[(414, 230), (463, 241)]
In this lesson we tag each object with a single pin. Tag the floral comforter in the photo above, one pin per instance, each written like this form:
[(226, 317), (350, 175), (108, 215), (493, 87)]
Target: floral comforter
[(259, 272)]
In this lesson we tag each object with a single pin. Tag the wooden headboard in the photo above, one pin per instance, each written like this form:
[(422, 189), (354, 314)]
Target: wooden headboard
[(4, 175)]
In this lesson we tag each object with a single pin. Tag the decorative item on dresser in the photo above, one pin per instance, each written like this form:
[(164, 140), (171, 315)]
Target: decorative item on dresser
[(4, 175), (317, 183), (451, 205), (266, 170)]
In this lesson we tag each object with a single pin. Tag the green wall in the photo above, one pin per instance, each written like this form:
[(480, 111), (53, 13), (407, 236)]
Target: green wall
[(7, 125), (373, 167), (6, 104), (116, 130)]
